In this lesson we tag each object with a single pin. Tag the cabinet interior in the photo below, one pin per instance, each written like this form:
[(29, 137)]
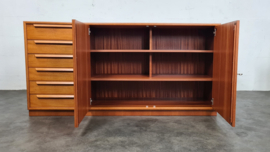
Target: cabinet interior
[(127, 72)]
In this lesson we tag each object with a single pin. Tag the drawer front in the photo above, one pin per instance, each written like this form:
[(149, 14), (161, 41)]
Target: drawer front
[(48, 33), (51, 103), (51, 87), (34, 74), (49, 48), (50, 61)]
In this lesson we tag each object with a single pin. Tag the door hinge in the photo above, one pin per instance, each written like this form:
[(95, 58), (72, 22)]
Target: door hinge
[(215, 32), (89, 31), (91, 101), (212, 100)]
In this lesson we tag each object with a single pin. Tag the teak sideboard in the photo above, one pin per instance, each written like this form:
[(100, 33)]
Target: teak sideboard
[(131, 69)]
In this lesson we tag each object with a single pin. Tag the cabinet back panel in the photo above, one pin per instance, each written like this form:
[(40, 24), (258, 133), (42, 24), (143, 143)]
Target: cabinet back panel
[(183, 38), (181, 91), (119, 38), (119, 63), (182, 63)]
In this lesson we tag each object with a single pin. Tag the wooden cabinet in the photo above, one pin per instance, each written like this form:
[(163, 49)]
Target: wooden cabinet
[(139, 69)]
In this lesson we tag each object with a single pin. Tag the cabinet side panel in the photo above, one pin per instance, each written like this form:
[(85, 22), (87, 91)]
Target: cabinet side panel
[(26, 62)]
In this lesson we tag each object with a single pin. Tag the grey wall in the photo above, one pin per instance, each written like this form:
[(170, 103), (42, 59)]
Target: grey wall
[(254, 19)]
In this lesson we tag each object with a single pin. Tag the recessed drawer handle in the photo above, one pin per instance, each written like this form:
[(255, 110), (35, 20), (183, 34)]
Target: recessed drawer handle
[(52, 42), (54, 83), (53, 25), (52, 56), (54, 69), (55, 96)]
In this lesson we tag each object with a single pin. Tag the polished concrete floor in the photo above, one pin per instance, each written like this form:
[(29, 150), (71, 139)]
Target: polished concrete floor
[(19, 132)]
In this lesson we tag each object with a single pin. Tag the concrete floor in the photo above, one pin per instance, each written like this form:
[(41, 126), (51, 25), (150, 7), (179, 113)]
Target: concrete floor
[(19, 132)]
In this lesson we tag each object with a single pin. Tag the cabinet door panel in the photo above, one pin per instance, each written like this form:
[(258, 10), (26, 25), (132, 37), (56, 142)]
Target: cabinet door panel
[(225, 70), (82, 83)]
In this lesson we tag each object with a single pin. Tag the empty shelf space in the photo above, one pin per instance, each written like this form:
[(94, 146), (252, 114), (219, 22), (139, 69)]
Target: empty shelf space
[(156, 51), (124, 38), (154, 78), (120, 78), (181, 78), (183, 38)]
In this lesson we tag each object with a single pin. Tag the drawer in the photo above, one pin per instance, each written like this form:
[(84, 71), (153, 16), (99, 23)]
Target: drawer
[(51, 102), (51, 87), (56, 32), (51, 48), (51, 74), (50, 60)]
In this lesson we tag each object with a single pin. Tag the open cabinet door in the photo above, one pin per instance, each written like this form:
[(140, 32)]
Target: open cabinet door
[(225, 70), (81, 57)]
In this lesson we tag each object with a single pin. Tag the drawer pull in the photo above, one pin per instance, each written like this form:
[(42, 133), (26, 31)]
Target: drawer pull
[(52, 56), (55, 96), (52, 42), (54, 83), (54, 69), (53, 25)]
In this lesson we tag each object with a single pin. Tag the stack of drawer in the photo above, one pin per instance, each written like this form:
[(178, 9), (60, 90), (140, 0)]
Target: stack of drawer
[(49, 61)]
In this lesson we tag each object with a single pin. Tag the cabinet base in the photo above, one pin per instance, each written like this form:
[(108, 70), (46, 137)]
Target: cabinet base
[(122, 113)]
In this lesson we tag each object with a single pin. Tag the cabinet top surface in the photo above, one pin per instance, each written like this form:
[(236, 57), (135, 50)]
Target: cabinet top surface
[(131, 24)]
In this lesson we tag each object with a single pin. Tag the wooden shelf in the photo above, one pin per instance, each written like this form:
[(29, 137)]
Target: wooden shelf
[(140, 102), (156, 51), (154, 78), (151, 107)]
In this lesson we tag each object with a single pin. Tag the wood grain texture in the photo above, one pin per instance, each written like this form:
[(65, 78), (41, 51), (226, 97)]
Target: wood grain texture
[(224, 72), (51, 113), (54, 83), (155, 51), (50, 61), (53, 25), (55, 96), (182, 63), (119, 38), (52, 42), (151, 103), (52, 48), (119, 63), (34, 33), (123, 113), (234, 72), (51, 87), (157, 107), (183, 38), (149, 113), (153, 78), (54, 69), (49, 75), (82, 70), (50, 103), (53, 56), (126, 90), (26, 65), (154, 24)]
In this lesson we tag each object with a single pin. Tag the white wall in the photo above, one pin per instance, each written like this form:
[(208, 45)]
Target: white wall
[(254, 53)]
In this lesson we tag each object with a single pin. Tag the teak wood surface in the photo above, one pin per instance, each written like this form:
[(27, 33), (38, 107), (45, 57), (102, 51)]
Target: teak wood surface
[(225, 70), (82, 69), (49, 48), (174, 68), (53, 87), (50, 61)]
